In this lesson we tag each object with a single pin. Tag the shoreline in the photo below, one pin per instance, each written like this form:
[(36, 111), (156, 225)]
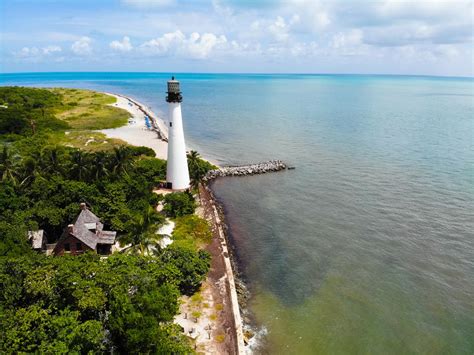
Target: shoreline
[(222, 272), (135, 132), (221, 278)]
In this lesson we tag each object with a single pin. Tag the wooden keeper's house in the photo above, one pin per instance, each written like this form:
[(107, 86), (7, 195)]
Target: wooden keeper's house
[(86, 233)]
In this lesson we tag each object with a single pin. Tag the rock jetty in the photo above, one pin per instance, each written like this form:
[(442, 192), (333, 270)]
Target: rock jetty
[(244, 170)]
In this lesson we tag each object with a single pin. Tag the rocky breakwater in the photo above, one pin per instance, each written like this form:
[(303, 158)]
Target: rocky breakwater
[(244, 170)]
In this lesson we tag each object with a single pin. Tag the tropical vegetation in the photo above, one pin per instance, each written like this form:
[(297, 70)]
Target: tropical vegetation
[(85, 304), (123, 304), (198, 168)]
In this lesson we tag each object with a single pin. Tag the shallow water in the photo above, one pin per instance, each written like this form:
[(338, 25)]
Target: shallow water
[(368, 246)]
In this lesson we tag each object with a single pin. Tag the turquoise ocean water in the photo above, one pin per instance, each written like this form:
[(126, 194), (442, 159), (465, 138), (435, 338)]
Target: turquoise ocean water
[(367, 247)]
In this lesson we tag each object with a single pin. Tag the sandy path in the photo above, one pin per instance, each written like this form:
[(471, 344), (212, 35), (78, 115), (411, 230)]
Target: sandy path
[(136, 132)]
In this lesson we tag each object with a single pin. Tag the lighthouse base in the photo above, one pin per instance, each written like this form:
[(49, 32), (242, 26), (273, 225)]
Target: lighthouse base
[(168, 187)]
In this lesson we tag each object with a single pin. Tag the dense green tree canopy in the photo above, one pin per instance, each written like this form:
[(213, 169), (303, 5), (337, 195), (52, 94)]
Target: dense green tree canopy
[(122, 304), (179, 204), (68, 304)]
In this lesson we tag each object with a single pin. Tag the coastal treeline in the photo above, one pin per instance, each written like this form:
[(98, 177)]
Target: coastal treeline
[(124, 303), (83, 304)]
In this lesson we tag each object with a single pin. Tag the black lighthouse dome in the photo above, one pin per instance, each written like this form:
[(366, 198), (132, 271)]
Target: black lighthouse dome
[(174, 95)]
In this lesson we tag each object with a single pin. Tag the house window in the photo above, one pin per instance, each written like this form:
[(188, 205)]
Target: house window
[(171, 124), (78, 246), (67, 247)]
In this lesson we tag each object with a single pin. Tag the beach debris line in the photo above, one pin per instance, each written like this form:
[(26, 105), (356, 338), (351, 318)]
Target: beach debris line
[(244, 170), (150, 120)]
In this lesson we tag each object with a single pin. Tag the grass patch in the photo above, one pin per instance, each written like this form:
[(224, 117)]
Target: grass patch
[(197, 297), (85, 140), (85, 109), (192, 230), (196, 315)]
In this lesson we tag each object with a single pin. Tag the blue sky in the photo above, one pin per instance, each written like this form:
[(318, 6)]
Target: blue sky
[(303, 36)]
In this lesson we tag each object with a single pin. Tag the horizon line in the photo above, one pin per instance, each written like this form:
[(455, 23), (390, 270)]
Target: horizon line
[(236, 73)]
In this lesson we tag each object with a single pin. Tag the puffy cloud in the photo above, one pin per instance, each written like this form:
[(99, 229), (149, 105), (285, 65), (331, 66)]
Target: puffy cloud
[(26, 52), (265, 33), (278, 30), (388, 22), (123, 46), (165, 43), (314, 14), (51, 49), (37, 53), (195, 46), (82, 46), (201, 46)]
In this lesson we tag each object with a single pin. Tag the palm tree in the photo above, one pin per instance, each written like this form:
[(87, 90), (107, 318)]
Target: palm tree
[(79, 164), (50, 159), (196, 170), (8, 165), (99, 165), (142, 235), (122, 160), (28, 171)]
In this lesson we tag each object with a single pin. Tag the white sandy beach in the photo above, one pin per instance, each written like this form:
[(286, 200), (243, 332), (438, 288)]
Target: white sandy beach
[(214, 329), (136, 132)]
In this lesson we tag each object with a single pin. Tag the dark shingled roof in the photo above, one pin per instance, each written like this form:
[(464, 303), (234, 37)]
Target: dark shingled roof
[(88, 229), (107, 237)]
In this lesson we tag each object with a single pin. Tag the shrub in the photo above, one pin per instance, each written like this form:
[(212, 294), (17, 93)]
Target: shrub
[(137, 151), (179, 204), (152, 169), (192, 228)]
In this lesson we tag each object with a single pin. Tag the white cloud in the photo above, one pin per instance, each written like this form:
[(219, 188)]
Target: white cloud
[(37, 53), (234, 33), (123, 46), (165, 43), (314, 14), (26, 52), (279, 29), (201, 46), (195, 46), (51, 49), (82, 46)]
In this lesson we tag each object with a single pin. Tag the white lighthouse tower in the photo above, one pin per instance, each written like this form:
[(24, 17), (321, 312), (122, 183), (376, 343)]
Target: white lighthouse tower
[(177, 174)]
